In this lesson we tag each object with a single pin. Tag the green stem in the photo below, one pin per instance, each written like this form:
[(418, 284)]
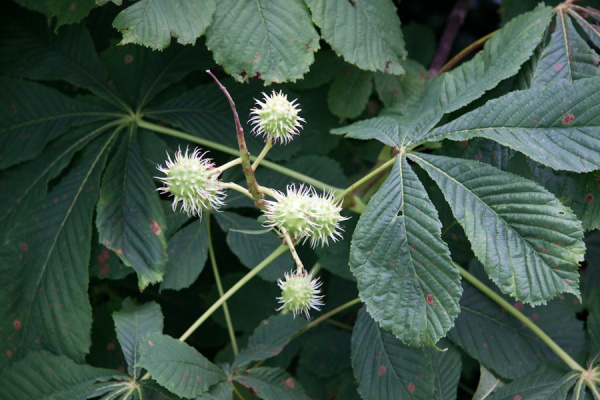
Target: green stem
[(236, 187), (290, 243), (226, 166), (234, 152), (518, 315), (213, 263), (365, 178), (263, 153), (279, 251), (329, 315)]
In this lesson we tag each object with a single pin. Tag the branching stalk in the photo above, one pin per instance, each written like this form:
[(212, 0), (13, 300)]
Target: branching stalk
[(290, 243), (247, 169), (365, 178), (263, 153)]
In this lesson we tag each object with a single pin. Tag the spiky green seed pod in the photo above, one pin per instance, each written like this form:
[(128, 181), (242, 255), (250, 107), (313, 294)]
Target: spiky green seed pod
[(276, 118), (300, 293), (188, 179)]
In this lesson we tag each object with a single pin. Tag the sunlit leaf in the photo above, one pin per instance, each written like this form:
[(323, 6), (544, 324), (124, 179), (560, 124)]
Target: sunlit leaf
[(152, 23), (528, 242), (274, 41)]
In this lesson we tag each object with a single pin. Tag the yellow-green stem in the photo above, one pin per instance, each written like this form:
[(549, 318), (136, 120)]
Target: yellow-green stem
[(473, 46), (329, 315), (213, 263), (226, 166), (279, 251), (521, 317), (236, 187), (263, 153), (290, 243), (365, 178)]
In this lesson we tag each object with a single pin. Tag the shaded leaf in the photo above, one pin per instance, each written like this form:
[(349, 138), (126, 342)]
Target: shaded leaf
[(549, 382), (32, 115), (394, 89), (132, 323), (152, 23), (274, 41), (447, 367), (252, 249), (384, 367), (384, 129), (529, 243), (43, 277), (188, 252), (25, 184), (503, 344), (488, 382), (177, 366), (334, 343), (269, 338), (579, 192), (272, 384), (129, 217), (555, 125), (42, 375), (366, 33), (349, 93), (35, 52), (403, 268)]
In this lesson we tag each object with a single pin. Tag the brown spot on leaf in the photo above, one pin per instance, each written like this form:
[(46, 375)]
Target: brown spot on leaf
[(155, 228), (382, 369), (73, 6), (567, 119), (429, 299), (150, 343), (589, 198), (411, 387), (17, 324), (289, 383), (24, 246)]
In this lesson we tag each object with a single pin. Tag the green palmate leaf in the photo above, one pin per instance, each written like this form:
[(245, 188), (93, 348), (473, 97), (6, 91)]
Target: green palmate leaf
[(579, 192), (385, 368), (177, 366), (588, 27), (33, 115), (275, 41), (269, 338), (152, 23), (567, 55), (549, 382), (500, 59), (501, 343), (350, 91), (35, 52), (43, 277), (556, 125), (132, 323), (528, 242), (25, 184), (252, 249), (129, 218), (272, 384), (447, 367), (188, 251), (366, 33), (42, 375), (480, 149), (403, 268)]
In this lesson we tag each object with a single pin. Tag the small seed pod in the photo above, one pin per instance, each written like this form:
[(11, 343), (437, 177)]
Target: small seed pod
[(291, 212), (276, 118), (189, 181), (325, 216), (300, 293)]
